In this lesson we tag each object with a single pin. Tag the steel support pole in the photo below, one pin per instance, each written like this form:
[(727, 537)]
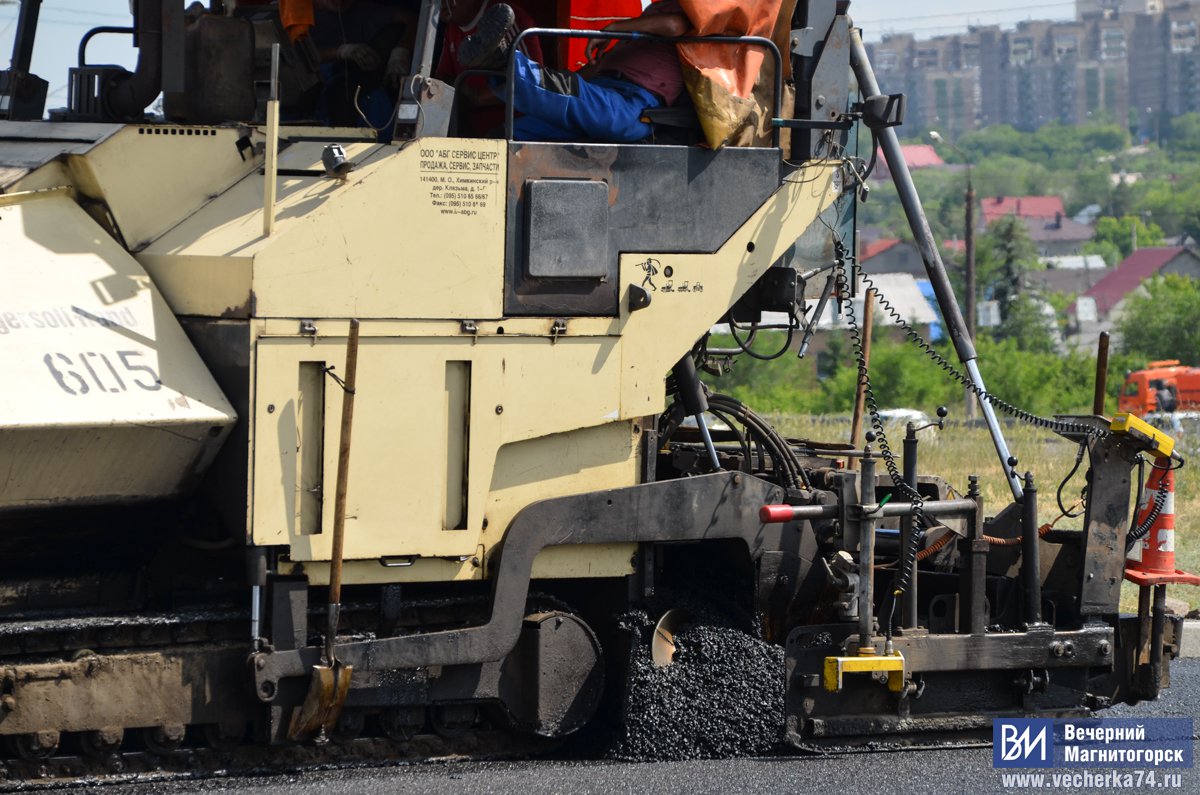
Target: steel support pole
[(908, 605), (866, 558), (1031, 566), (27, 22), (956, 327)]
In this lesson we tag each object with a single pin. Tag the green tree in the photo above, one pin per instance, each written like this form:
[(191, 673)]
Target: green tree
[(1026, 325), (1106, 249), (1162, 320), (1120, 231), (1003, 256), (1184, 134)]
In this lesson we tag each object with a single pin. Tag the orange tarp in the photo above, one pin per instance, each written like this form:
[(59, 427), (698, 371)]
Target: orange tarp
[(296, 16), (728, 83)]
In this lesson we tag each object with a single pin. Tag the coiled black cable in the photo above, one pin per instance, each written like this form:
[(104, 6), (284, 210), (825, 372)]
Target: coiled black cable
[(1136, 534), (907, 565), (1058, 426)]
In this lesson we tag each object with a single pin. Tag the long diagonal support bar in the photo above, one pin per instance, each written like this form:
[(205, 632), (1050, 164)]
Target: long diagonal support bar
[(955, 325)]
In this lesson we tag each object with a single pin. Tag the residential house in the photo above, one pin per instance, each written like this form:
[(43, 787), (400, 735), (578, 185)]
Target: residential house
[(891, 255), (1042, 208), (916, 156), (1059, 236), (1046, 220), (1099, 307)]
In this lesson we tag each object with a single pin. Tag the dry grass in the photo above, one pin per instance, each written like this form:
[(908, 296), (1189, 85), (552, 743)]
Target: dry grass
[(961, 450)]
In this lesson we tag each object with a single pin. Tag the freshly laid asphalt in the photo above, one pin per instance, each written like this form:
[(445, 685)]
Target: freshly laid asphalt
[(938, 772)]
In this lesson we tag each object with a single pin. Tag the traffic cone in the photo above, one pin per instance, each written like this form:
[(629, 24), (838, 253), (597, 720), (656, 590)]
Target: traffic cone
[(1152, 559)]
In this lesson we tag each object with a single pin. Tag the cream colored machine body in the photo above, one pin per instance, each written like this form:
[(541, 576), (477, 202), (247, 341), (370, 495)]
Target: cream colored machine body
[(465, 416)]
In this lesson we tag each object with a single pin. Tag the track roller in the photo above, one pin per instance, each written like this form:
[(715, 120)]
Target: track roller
[(401, 724), (35, 746), (162, 740), (101, 743), (223, 736), (348, 727), (451, 721)]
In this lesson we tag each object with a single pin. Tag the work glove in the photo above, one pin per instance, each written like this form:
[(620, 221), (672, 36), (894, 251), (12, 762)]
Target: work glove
[(361, 55), (398, 66)]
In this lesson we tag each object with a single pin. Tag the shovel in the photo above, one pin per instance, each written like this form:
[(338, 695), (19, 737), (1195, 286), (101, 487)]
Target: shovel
[(330, 683)]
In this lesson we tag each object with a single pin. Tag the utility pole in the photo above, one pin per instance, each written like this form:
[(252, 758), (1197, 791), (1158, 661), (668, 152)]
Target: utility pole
[(969, 255)]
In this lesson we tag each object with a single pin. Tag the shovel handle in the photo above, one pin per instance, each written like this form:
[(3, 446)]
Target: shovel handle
[(343, 474)]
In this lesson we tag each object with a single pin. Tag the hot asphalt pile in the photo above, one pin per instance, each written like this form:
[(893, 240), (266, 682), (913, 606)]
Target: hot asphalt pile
[(722, 697)]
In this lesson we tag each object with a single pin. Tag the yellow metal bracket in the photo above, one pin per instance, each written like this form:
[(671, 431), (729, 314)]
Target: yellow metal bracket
[(1154, 439), (892, 664)]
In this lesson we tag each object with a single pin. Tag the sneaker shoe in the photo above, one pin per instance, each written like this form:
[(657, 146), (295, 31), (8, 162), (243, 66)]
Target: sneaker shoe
[(489, 46)]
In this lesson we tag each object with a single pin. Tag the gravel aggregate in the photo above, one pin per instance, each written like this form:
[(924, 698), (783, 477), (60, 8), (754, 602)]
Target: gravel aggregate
[(723, 697)]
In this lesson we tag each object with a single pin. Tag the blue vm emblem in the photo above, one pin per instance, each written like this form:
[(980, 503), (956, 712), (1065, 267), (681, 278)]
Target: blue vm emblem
[(1018, 742)]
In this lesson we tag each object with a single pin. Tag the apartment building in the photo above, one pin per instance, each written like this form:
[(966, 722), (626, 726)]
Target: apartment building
[(1118, 61)]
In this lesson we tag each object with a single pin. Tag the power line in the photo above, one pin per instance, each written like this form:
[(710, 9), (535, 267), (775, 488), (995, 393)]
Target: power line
[(965, 12)]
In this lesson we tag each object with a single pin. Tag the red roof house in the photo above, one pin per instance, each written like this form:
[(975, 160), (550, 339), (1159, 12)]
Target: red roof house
[(1135, 269), (876, 247), (915, 155), (1040, 207)]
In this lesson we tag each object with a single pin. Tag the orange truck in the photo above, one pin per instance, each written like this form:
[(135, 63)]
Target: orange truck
[(1162, 386)]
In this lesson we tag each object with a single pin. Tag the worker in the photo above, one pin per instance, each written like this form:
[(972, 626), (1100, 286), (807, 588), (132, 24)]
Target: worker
[(1165, 397), (605, 99), (483, 109), (365, 47)]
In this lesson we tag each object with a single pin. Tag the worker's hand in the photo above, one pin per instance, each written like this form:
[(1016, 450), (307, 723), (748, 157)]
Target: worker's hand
[(595, 48), (399, 65), (361, 55)]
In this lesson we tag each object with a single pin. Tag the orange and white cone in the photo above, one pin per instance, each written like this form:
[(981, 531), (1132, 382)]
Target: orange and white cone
[(1152, 559)]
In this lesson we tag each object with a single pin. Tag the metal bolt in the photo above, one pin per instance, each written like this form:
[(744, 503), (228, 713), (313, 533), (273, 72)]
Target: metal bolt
[(499, 409), (270, 408), (260, 662), (1103, 648), (8, 704), (737, 480), (1058, 648), (819, 102)]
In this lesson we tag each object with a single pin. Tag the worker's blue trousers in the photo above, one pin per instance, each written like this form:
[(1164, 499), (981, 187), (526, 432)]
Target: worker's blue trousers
[(568, 108)]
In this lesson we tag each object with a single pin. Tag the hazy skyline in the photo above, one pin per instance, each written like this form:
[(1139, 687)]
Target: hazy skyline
[(63, 23)]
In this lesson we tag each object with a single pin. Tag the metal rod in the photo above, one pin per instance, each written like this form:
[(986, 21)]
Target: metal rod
[(958, 507), (1156, 641), (1031, 562), (826, 291), (1101, 374), (343, 477), (1143, 648), (691, 392), (866, 559), (908, 605), (956, 326), (973, 551), (860, 393), (256, 564), (993, 424), (27, 22), (271, 159)]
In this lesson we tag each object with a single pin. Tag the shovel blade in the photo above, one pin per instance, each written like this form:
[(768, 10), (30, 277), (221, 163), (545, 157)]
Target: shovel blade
[(327, 691)]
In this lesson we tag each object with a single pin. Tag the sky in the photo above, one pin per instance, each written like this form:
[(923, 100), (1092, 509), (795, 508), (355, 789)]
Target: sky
[(63, 23)]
